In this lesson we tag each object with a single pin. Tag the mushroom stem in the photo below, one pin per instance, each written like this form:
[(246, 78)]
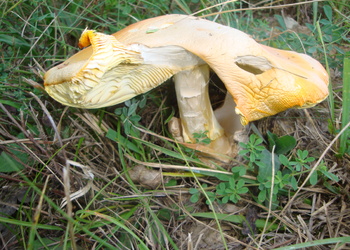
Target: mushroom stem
[(227, 117), (196, 113)]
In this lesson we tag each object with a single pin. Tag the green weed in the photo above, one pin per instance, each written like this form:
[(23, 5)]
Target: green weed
[(259, 161)]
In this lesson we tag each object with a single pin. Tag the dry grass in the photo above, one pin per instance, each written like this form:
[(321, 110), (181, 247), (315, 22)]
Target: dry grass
[(67, 147), (97, 175)]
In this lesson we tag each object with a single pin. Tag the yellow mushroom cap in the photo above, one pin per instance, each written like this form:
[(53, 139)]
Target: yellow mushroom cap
[(108, 72), (72, 82)]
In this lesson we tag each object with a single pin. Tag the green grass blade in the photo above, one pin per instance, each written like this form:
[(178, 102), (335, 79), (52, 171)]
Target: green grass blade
[(28, 224), (330, 86), (316, 243), (315, 12), (345, 137)]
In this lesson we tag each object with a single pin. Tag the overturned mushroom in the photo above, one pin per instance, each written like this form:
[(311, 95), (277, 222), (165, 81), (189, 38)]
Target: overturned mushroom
[(260, 80)]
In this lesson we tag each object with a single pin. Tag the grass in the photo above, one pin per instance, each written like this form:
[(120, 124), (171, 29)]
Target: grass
[(345, 137), (113, 179)]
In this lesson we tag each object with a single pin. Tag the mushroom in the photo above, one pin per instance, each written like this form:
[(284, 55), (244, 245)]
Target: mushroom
[(260, 81)]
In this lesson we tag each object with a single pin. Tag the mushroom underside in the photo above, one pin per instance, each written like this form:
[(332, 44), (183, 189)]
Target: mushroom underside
[(94, 79)]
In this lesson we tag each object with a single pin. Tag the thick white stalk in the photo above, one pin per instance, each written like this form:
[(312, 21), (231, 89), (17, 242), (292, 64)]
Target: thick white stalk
[(227, 116), (196, 112)]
